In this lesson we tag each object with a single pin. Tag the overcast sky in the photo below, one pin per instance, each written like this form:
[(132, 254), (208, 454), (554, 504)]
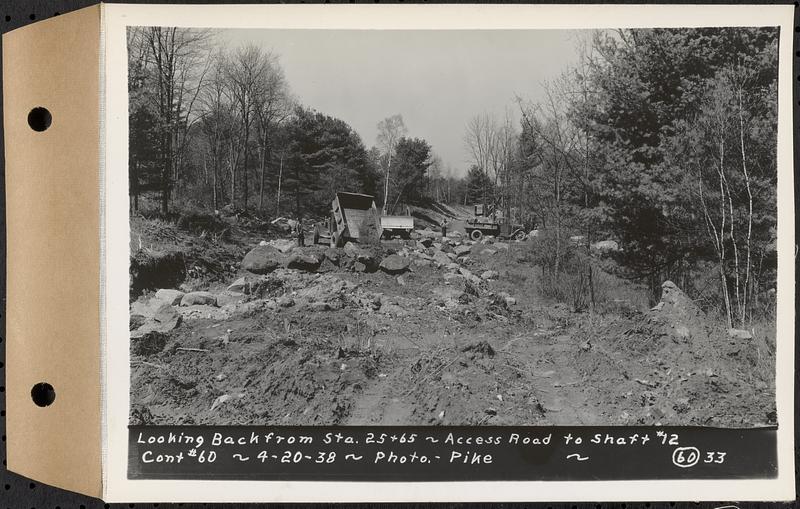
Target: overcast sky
[(437, 80)]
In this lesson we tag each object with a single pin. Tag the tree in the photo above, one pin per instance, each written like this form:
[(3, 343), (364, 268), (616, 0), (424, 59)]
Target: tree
[(390, 130), (477, 183), (325, 155), (645, 85), (171, 66), (246, 73), (273, 105), (409, 167)]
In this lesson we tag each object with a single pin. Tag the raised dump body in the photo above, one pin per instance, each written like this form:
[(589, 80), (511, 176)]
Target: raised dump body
[(348, 212)]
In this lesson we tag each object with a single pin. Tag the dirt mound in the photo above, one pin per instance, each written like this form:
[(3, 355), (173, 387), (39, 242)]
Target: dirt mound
[(150, 270)]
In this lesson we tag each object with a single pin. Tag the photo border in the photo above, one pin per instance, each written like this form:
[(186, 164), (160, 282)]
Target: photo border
[(114, 309)]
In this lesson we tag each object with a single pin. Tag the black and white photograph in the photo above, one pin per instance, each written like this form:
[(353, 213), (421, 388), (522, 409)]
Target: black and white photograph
[(453, 227)]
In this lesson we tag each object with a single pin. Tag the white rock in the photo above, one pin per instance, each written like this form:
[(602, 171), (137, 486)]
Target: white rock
[(170, 296)]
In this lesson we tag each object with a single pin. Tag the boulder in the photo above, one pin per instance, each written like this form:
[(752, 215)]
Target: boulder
[(146, 308), (136, 321), (282, 245), (229, 298), (465, 272), (164, 319), (333, 255), (462, 250), (262, 260), (241, 285), (199, 299), (167, 318), (441, 258), (425, 242), (172, 297), (308, 263), (362, 255), (395, 264)]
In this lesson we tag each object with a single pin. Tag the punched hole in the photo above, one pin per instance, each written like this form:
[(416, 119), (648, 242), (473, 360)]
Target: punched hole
[(39, 119), (43, 394)]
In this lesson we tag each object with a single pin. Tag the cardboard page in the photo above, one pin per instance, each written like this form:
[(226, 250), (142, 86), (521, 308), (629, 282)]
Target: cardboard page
[(53, 220)]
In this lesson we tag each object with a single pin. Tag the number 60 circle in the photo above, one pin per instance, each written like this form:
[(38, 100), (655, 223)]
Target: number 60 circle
[(685, 457)]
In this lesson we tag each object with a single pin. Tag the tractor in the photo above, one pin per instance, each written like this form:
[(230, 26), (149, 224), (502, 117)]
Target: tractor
[(488, 221)]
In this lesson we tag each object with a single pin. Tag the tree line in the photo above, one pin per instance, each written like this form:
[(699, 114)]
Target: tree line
[(217, 129), (661, 139)]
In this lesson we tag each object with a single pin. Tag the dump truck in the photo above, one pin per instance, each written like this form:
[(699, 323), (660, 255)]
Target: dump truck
[(348, 211), (488, 221)]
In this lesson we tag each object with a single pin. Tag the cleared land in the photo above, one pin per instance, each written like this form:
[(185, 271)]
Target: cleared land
[(448, 332)]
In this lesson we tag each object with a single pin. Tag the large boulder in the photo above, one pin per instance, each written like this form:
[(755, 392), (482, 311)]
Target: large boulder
[(395, 264), (441, 258), (678, 312), (170, 296), (282, 245), (305, 262), (199, 299), (363, 256), (164, 319), (262, 260)]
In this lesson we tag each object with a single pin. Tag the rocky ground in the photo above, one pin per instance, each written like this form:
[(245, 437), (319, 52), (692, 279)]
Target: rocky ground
[(425, 331)]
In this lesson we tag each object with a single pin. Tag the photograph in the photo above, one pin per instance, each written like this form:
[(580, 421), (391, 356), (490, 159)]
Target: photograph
[(461, 227)]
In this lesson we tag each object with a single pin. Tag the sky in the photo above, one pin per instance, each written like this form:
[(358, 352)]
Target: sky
[(437, 79)]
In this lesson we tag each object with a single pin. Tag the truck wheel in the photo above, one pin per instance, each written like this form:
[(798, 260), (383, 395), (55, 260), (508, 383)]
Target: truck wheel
[(520, 235), (476, 235)]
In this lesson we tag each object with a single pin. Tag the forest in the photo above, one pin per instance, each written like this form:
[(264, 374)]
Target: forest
[(662, 140)]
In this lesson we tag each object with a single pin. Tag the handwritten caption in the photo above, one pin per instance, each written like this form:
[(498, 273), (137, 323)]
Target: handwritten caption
[(401, 448)]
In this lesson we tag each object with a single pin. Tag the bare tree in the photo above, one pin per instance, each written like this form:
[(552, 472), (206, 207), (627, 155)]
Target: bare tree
[(246, 72), (390, 130), (173, 55), (273, 105)]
